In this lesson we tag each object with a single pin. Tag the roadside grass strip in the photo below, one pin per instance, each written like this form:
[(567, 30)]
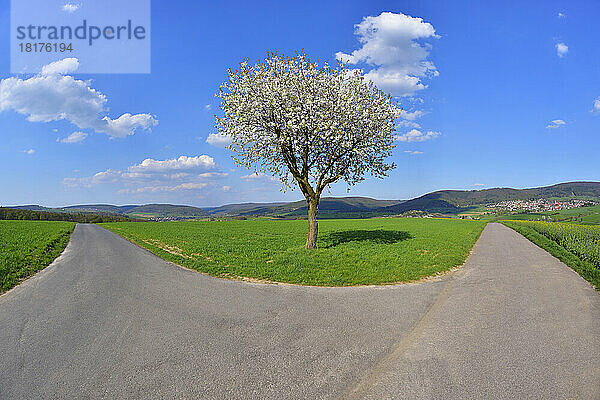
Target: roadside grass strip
[(350, 252), (578, 246), (29, 246)]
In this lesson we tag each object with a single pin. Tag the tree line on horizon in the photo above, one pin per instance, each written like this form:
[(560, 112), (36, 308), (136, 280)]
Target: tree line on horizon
[(21, 214)]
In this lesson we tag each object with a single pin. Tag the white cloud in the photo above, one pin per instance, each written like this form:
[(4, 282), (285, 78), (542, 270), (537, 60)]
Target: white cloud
[(257, 177), (213, 175), (557, 123), (74, 137), (417, 136), (411, 116), (106, 176), (596, 106), (207, 107), (395, 82), (561, 15), (408, 124), (253, 176), (52, 96), (189, 186), (30, 151), (126, 124), (163, 188), (561, 49), (152, 176), (70, 8), (218, 139), (391, 45), (99, 178), (64, 66), (174, 164), (413, 152)]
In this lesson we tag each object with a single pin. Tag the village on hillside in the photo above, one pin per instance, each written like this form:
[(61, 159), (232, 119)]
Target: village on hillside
[(539, 205)]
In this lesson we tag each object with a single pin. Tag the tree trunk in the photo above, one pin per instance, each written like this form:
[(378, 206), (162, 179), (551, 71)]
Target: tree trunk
[(313, 225)]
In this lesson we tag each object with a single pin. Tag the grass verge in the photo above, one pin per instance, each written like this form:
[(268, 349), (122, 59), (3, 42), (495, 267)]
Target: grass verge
[(351, 252), (29, 246), (584, 268)]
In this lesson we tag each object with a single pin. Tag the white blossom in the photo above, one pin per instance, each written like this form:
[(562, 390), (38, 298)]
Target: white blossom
[(293, 119), (307, 124)]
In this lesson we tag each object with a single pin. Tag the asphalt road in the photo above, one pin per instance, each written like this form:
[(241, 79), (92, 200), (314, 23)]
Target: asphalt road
[(111, 320)]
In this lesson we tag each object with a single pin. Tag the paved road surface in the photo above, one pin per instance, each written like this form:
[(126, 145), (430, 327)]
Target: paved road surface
[(110, 320)]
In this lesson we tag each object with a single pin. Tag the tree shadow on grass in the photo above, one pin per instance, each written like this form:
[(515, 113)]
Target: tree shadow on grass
[(378, 236)]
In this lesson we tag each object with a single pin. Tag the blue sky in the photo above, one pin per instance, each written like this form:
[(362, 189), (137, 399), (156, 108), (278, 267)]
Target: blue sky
[(488, 81)]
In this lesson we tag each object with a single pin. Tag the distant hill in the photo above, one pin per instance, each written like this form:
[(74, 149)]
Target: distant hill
[(84, 208), (238, 208), (148, 210), (32, 207), (348, 206), (167, 210), (38, 215), (443, 201), (108, 208), (334, 206), (453, 201)]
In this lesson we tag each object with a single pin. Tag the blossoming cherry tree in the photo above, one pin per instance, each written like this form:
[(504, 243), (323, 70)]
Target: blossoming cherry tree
[(307, 125)]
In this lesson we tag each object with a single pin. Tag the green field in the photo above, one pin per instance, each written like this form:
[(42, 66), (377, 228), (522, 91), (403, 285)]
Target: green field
[(28, 246), (578, 246), (584, 215), (580, 215), (351, 252)]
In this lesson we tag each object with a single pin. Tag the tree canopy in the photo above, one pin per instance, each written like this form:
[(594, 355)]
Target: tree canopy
[(307, 124)]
